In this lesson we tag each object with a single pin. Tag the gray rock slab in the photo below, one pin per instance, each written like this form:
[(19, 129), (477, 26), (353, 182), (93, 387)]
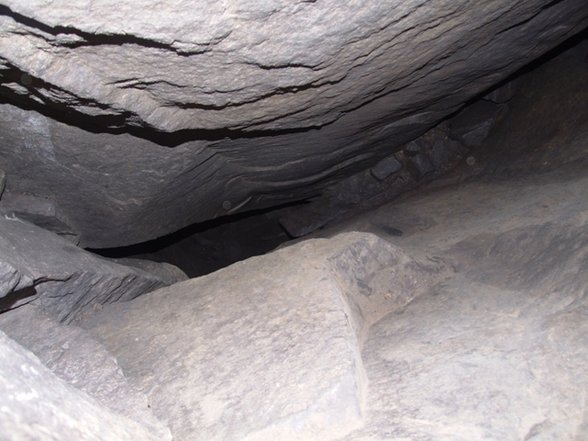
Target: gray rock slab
[(40, 211), (385, 168), (81, 361), (36, 405), (267, 348), (270, 64), (41, 267)]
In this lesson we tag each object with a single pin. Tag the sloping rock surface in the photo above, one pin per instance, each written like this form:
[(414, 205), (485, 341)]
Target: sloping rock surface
[(40, 267), (81, 361), (266, 102), (36, 405), (468, 322)]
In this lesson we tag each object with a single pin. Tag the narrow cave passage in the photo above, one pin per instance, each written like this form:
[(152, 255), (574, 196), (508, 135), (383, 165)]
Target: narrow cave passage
[(297, 221)]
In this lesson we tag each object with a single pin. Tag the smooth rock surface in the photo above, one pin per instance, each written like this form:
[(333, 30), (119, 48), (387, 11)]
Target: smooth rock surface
[(267, 348), (265, 102), (36, 405), (40, 267)]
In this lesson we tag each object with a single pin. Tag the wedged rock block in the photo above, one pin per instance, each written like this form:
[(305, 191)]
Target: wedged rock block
[(36, 405), (81, 361), (40, 267), (268, 348)]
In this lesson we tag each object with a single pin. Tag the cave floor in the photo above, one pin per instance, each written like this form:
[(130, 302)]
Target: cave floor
[(457, 312), (498, 350)]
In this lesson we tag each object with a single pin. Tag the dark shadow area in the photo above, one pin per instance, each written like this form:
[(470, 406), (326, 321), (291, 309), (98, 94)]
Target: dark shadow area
[(533, 65), (17, 298), (205, 247)]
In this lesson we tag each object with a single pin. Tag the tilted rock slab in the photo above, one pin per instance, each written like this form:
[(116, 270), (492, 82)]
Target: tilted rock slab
[(40, 267), (81, 361), (268, 348), (266, 102), (36, 405), (269, 64)]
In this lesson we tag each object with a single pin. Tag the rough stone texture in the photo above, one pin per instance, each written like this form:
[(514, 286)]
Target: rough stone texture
[(76, 358), (39, 211), (269, 64), (169, 274), (499, 351), (385, 168), (267, 348), (467, 324), (419, 161), (36, 405), (41, 267), (268, 101)]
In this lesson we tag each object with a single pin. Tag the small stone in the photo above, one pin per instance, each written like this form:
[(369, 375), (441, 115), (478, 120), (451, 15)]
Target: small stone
[(385, 168), (471, 161), (422, 165)]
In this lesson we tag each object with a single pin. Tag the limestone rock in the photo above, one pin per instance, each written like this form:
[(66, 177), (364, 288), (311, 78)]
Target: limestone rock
[(39, 266), (473, 124), (268, 348), (74, 357), (36, 405), (385, 168)]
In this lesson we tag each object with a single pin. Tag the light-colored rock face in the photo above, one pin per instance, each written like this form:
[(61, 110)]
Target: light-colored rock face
[(268, 348), (268, 102), (36, 405), (271, 64), (463, 319), (81, 361)]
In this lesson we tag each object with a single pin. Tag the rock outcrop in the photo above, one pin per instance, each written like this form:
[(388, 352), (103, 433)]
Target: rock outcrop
[(40, 267), (265, 102)]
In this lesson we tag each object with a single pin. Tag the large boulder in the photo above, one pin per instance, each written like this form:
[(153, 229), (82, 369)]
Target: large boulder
[(268, 348), (265, 102)]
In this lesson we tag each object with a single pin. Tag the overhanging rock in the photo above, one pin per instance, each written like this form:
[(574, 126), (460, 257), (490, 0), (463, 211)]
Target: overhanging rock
[(265, 102)]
